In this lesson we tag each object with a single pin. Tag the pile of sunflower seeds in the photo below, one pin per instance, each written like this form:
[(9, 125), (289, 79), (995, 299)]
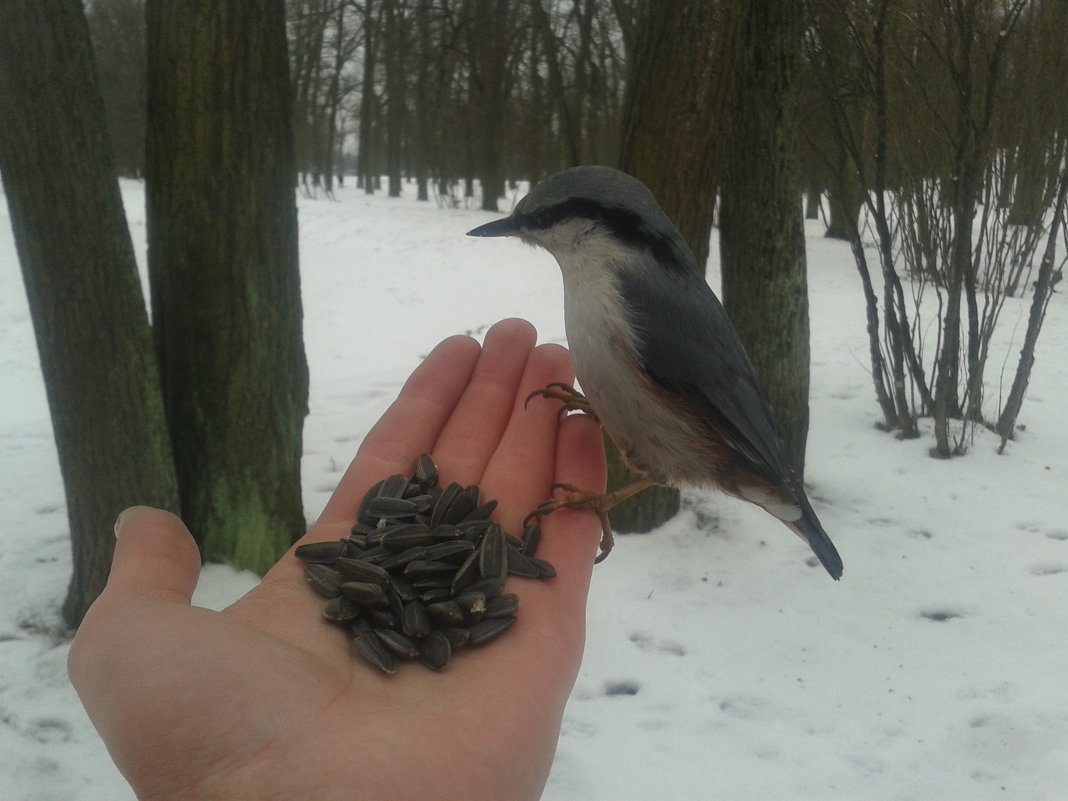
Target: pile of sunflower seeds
[(423, 571)]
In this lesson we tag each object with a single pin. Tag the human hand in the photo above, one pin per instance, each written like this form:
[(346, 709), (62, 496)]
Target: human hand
[(267, 700)]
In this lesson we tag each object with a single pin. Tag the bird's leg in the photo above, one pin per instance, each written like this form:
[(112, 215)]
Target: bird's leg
[(573, 400), (601, 503)]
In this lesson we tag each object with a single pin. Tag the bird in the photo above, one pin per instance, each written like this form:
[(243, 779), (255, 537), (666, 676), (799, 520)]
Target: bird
[(659, 363)]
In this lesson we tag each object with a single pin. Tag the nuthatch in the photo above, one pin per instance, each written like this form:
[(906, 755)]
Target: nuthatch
[(660, 364)]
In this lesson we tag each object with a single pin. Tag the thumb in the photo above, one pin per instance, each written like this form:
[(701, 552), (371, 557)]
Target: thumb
[(155, 556)]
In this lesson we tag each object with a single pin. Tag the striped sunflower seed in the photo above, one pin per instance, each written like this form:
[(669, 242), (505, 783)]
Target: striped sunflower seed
[(360, 570), (363, 592), (402, 646), (341, 609), (435, 651), (370, 646), (492, 560), (415, 622), (324, 580), (323, 553), (489, 629)]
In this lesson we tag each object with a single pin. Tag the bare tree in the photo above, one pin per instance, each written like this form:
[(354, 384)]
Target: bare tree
[(762, 244), (82, 284), (222, 234)]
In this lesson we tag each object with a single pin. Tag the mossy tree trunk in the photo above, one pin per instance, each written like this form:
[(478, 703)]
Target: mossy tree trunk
[(226, 305), (762, 243), (81, 280)]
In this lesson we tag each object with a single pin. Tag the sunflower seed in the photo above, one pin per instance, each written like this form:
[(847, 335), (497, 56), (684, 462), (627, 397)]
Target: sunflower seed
[(491, 588), (383, 618), (369, 645), (322, 553), (324, 580), (363, 592), (545, 569), (440, 582), (462, 504), (426, 472), (502, 606), (519, 565), (492, 562), (403, 558), (341, 609), (445, 613), (375, 555), (450, 551), (390, 508), (445, 531), (404, 589), (360, 625), (415, 622), (434, 595), (399, 644), (466, 573), (442, 503), (410, 535), (361, 570), (488, 629), (422, 502), (423, 568), (482, 512), (472, 529), (457, 636), (531, 539), (435, 651), (472, 604)]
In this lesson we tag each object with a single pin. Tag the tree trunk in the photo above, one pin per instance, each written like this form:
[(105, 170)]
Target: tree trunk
[(396, 79), (671, 107), (674, 98), (762, 242), (222, 236), (366, 166), (489, 56), (81, 280)]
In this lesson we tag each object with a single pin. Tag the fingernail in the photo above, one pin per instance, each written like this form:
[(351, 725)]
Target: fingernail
[(119, 521)]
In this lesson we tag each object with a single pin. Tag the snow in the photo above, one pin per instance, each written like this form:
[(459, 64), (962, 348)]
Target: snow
[(721, 662)]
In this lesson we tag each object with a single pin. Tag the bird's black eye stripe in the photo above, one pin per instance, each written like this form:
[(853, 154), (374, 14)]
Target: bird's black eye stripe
[(625, 225)]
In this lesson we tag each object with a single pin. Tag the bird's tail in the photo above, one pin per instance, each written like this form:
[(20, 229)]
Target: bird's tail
[(809, 528)]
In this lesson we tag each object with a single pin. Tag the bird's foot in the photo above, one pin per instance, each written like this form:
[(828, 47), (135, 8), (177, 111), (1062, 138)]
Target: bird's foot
[(575, 498), (573, 400), (599, 502)]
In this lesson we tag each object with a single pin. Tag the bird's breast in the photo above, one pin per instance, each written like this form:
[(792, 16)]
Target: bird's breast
[(656, 434)]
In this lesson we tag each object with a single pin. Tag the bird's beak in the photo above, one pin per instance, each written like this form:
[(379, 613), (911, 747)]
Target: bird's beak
[(503, 227)]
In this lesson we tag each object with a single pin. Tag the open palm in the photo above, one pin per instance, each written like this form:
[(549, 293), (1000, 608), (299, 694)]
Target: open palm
[(266, 700)]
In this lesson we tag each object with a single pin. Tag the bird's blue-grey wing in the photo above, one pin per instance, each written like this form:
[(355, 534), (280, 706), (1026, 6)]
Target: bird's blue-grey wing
[(688, 346)]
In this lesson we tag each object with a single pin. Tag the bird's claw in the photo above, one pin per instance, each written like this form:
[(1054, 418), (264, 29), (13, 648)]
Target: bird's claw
[(573, 400), (576, 498)]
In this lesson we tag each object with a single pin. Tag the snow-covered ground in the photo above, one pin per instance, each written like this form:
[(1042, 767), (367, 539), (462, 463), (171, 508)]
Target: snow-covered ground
[(720, 662)]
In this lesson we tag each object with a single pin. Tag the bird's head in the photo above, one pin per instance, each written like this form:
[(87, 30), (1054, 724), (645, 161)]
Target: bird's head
[(593, 215)]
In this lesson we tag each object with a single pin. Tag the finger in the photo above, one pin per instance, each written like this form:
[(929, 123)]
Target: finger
[(155, 557), (409, 427), (480, 418), (555, 609), (570, 537), (523, 467)]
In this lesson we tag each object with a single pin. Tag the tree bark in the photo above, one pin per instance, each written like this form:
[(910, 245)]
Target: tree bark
[(670, 106), (674, 99), (81, 280), (222, 235), (490, 39), (762, 242)]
